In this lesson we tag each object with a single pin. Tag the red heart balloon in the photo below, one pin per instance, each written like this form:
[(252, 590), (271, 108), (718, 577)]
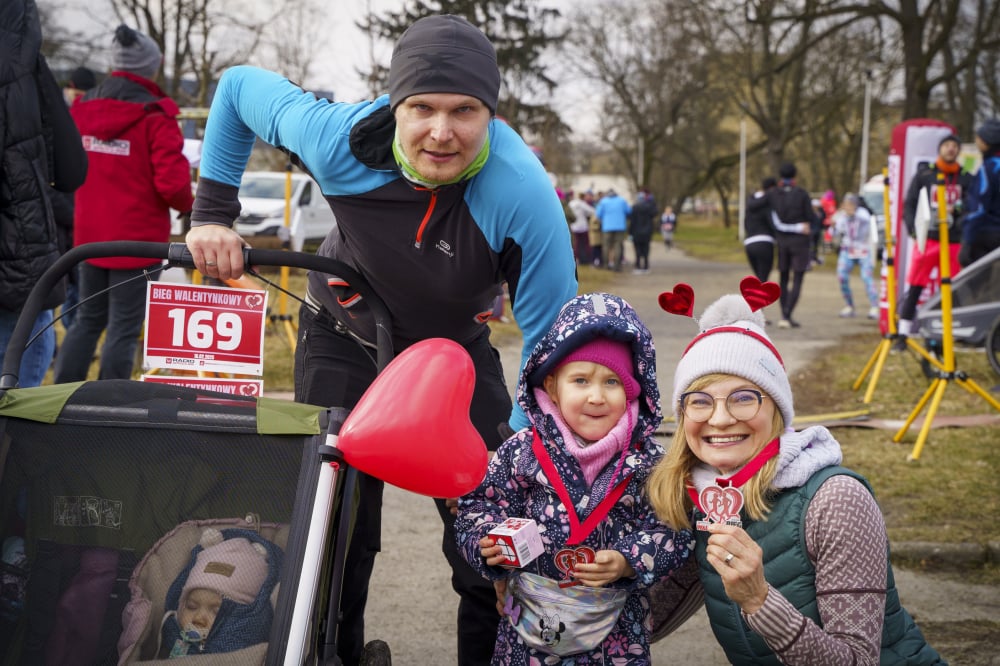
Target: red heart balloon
[(679, 301), (411, 428), (758, 294)]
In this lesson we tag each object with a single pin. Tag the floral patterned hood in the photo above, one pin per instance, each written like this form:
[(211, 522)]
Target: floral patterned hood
[(582, 319)]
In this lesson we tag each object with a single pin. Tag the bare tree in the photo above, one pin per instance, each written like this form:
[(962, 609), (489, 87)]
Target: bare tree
[(636, 57), (201, 38)]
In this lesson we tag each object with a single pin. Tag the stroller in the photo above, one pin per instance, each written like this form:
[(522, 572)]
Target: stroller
[(106, 487), (975, 310)]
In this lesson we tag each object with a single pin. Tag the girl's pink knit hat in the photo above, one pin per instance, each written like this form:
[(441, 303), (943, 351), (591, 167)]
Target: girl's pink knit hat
[(611, 354)]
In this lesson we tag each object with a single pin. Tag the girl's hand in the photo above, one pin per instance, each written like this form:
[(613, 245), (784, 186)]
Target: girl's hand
[(491, 552), (743, 573), (500, 588), (607, 567)]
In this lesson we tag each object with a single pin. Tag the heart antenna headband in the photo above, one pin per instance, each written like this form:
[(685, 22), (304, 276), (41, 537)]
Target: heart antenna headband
[(757, 294)]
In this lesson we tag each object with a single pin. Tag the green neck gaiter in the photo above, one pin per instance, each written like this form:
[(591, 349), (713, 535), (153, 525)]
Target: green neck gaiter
[(411, 174)]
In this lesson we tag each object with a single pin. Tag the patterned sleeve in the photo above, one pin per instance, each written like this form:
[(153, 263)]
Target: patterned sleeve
[(847, 543), (497, 498), (653, 550)]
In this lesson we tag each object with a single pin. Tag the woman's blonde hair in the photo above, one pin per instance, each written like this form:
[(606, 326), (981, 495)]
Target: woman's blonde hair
[(667, 484)]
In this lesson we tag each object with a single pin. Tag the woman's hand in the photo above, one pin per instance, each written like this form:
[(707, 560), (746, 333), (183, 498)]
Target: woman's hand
[(217, 251), (607, 567), (739, 561)]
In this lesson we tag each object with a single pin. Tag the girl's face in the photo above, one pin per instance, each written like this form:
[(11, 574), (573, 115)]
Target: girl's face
[(723, 441), (199, 610), (590, 397), (441, 133)]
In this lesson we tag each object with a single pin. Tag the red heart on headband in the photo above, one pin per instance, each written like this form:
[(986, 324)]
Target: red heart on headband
[(757, 294), (679, 301)]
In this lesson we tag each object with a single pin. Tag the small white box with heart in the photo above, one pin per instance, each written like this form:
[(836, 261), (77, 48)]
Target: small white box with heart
[(519, 540)]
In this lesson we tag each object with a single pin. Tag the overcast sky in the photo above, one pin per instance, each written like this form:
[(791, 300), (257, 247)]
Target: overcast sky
[(342, 47)]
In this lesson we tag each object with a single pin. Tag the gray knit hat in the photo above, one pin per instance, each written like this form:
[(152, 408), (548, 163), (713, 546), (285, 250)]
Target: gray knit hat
[(444, 54), (732, 341), (135, 52)]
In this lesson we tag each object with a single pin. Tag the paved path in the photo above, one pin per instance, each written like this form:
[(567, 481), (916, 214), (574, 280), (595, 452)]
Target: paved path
[(411, 603)]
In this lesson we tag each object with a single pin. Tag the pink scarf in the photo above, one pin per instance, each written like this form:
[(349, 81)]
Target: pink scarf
[(593, 457)]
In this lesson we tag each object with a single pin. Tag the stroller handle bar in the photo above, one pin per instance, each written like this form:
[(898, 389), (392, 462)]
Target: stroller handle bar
[(178, 255)]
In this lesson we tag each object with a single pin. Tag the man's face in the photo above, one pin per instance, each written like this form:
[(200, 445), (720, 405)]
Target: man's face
[(949, 151), (441, 133)]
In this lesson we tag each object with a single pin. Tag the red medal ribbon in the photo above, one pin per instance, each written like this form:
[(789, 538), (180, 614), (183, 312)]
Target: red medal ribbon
[(745, 474), (577, 531)]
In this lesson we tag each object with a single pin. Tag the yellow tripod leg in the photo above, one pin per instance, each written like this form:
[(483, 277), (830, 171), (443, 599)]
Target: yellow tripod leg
[(898, 437), (929, 421)]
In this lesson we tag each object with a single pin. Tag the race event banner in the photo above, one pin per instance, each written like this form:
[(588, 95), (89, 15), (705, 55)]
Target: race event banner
[(210, 329), (236, 386)]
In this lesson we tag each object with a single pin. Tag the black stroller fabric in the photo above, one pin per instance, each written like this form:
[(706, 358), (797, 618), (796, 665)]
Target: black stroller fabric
[(92, 475)]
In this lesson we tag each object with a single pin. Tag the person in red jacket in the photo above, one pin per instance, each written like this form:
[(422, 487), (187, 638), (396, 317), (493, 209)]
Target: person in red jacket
[(138, 172)]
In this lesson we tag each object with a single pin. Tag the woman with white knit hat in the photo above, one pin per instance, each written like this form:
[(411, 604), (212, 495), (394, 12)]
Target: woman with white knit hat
[(791, 549)]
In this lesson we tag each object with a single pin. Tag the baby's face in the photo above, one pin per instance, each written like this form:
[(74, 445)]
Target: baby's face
[(199, 610)]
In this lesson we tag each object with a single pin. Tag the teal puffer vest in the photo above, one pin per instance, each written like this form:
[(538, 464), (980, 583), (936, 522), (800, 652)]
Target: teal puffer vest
[(788, 569)]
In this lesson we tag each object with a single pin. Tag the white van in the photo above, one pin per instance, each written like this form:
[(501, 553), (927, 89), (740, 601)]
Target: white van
[(262, 197)]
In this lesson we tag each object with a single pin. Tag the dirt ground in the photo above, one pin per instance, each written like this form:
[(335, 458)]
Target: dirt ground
[(413, 608)]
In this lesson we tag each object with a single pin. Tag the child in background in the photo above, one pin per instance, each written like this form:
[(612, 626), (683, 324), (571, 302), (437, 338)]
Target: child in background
[(221, 601), (589, 388), (853, 228), (668, 222)]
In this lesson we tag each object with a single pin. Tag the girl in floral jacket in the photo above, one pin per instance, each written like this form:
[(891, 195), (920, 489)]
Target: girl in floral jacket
[(589, 389)]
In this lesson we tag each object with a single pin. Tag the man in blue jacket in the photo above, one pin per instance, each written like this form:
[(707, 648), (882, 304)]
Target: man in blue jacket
[(613, 212), (437, 203)]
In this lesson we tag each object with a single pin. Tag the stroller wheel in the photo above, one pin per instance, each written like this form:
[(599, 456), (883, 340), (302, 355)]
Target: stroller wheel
[(934, 347), (376, 653), (993, 345)]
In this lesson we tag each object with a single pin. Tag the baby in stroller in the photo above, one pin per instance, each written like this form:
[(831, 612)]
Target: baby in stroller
[(220, 602)]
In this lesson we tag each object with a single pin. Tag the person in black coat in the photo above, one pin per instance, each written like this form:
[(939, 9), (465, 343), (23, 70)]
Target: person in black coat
[(758, 231), (793, 219), (640, 226), (41, 146)]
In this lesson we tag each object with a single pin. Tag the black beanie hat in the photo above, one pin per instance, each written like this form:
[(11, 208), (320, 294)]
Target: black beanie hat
[(82, 78), (444, 54), (989, 132), (950, 137), (787, 171)]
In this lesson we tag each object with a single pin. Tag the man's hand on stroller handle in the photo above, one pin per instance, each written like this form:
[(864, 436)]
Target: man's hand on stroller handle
[(217, 251)]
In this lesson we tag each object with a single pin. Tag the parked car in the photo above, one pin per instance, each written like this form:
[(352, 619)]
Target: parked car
[(262, 197)]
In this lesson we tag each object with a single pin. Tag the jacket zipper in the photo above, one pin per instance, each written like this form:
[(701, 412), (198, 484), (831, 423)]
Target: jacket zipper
[(419, 241)]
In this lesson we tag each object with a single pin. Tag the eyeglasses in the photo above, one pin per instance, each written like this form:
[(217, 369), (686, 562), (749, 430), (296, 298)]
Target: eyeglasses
[(742, 405)]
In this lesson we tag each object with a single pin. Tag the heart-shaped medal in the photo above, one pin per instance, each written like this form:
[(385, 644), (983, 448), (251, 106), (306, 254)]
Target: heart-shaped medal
[(721, 505), (566, 559)]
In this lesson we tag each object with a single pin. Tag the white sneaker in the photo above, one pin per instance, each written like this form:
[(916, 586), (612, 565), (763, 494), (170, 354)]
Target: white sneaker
[(873, 312), (848, 311), (784, 323)]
